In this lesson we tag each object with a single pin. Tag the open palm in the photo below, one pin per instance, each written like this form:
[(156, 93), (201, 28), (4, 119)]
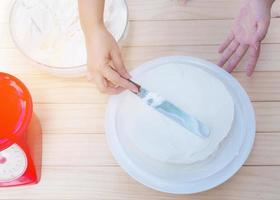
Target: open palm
[(248, 30)]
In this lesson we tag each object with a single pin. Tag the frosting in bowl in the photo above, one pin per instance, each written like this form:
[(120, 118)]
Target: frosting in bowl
[(49, 31)]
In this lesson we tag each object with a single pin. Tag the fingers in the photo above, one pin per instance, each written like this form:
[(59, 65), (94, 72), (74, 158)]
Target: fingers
[(112, 76), (118, 64), (230, 49), (104, 87), (254, 50), (236, 58), (111, 80), (253, 58), (226, 42), (114, 90), (100, 83)]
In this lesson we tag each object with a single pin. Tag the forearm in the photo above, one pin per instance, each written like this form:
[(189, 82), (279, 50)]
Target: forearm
[(91, 15), (270, 2), (266, 2)]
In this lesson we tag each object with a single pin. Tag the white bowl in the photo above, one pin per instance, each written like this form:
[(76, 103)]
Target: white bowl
[(71, 69), (184, 179)]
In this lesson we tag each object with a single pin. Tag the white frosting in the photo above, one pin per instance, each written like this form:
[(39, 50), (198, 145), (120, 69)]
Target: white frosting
[(153, 99), (194, 91), (49, 31)]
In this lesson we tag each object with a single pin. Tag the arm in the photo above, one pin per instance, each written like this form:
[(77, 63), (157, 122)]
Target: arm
[(247, 32), (104, 61)]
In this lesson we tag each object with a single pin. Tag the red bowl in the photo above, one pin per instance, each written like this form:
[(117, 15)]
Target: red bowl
[(15, 109)]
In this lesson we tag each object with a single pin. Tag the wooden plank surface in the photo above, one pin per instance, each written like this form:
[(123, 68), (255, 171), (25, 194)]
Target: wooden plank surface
[(171, 9), (77, 163), (207, 32), (177, 32), (268, 60), (263, 86), (89, 118), (187, 9), (86, 150), (84, 183)]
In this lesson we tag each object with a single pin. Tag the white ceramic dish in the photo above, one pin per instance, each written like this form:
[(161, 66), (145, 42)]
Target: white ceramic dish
[(187, 179), (57, 70)]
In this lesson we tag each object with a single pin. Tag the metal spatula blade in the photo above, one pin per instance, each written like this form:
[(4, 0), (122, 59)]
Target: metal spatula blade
[(173, 112)]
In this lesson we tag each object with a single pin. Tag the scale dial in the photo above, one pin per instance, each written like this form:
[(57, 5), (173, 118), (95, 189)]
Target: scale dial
[(13, 163)]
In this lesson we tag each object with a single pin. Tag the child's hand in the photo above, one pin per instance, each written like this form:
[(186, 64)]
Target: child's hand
[(105, 65), (249, 29)]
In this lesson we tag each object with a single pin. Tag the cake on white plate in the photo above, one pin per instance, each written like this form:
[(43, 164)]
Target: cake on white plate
[(193, 90)]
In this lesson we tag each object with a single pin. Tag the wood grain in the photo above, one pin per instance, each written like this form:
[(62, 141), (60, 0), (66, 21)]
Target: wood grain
[(111, 183), (89, 118), (263, 86), (163, 33), (77, 163), (196, 32), (87, 150), (268, 60), (267, 116), (134, 56), (171, 9), (187, 10)]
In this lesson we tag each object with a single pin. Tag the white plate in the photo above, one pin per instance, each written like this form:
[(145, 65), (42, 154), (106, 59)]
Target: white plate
[(207, 174)]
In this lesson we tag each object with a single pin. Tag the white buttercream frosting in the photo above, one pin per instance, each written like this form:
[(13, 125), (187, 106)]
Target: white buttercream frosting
[(153, 99), (193, 90), (49, 31)]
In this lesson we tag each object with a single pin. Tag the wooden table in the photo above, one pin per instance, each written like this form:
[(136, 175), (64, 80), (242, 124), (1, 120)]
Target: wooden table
[(77, 163)]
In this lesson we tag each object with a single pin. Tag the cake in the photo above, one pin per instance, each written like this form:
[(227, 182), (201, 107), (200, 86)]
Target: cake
[(195, 91)]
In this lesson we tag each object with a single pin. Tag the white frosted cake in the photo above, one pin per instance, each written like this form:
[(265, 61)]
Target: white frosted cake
[(49, 31), (193, 90)]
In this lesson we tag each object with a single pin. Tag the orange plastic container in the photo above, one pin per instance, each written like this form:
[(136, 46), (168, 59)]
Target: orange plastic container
[(20, 134)]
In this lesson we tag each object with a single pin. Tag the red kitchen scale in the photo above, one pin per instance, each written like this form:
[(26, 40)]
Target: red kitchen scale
[(20, 135)]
